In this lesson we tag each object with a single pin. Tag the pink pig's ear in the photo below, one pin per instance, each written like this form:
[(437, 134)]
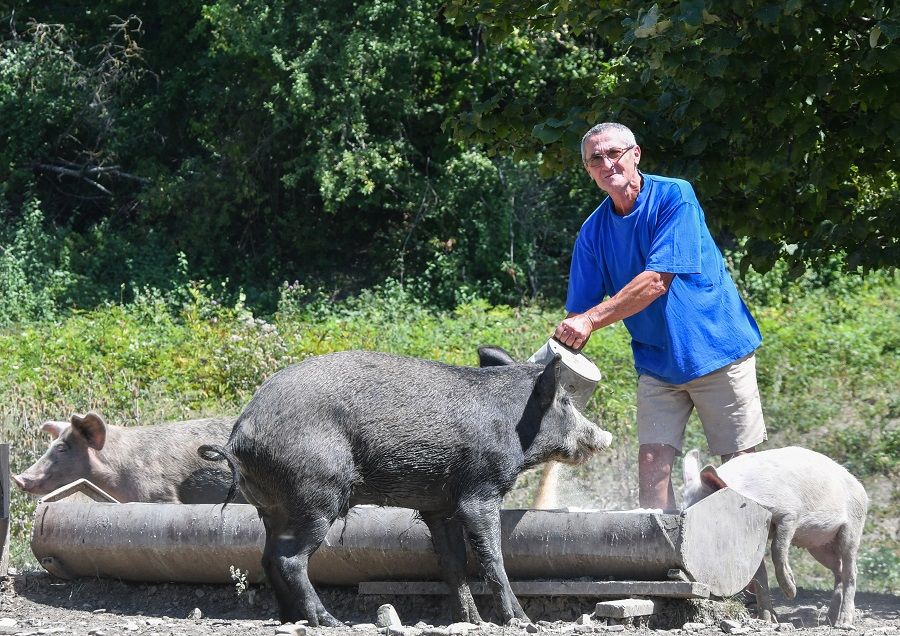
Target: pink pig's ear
[(691, 469), (53, 428), (92, 428), (711, 479)]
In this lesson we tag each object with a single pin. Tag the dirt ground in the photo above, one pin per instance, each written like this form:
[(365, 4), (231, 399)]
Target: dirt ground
[(35, 603)]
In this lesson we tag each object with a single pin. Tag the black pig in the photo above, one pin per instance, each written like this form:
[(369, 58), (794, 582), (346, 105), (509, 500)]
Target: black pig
[(361, 427)]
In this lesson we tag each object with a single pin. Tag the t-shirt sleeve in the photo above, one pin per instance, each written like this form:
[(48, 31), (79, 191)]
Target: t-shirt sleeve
[(586, 287), (675, 245)]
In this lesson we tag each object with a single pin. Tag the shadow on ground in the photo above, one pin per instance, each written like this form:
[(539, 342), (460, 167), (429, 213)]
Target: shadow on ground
[(258, 603)]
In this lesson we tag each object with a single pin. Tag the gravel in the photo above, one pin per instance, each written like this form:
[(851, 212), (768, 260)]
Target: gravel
[(37, 604)]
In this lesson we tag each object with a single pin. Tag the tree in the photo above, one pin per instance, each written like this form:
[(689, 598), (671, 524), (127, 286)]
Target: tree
[(784, 115), (270, 141)]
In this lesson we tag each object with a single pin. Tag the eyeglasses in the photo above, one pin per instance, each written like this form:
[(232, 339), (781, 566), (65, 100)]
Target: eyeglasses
[(598, 160)]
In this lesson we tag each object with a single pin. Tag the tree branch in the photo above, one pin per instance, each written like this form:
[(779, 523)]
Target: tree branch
[(85, 173)]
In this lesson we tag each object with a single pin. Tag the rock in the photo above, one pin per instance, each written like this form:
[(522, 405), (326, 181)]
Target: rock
[(693, 627), (436, 631), (626, 608), (97, 632), (613, 628), (99, 611), (531, 628), (460, 629), (785, 627), (196, 614), (584, 629), (728, 626), (584, 619), (291, 629), (387, 616), (8, 622), (130, 626), (364, 627)]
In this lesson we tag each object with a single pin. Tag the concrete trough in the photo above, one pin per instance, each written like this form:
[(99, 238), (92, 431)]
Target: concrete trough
[(718, 543)]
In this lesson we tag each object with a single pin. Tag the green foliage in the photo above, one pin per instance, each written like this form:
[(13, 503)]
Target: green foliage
[(826, 372), (834, 344), (781, 114), (268, 142), (879, 568), (34, 272), (61, 106)]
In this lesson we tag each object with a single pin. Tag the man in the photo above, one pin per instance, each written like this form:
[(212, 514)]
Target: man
[(647, 251)]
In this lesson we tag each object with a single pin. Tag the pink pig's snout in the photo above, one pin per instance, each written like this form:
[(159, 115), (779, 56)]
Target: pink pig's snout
[(20, 482), (27, 484)]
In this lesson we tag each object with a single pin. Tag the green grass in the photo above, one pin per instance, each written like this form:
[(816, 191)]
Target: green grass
[(827, 372)]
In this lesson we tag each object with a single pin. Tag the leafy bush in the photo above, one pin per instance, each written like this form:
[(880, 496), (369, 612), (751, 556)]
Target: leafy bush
[(879, 568), (825, 370), (34, 269)]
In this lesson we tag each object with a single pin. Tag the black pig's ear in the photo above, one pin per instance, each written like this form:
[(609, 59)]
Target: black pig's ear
[(491, 356), (547, 383), (711, 479), (92, 428)]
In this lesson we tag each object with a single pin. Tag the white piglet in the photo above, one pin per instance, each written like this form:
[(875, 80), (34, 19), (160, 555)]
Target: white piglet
[(815, 504)]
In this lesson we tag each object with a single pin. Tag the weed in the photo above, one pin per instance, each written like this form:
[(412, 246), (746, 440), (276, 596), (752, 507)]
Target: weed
[(240, 579)]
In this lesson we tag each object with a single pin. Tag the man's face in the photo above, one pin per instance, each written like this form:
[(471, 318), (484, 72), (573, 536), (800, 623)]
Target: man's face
[(611, 175)]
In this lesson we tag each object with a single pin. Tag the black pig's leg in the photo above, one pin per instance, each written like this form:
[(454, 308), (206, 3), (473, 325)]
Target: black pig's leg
[(286, 561), (286, 608), (481, 519), (450, 546)]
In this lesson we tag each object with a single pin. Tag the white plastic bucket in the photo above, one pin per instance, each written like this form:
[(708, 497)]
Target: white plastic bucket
[(578, 375)]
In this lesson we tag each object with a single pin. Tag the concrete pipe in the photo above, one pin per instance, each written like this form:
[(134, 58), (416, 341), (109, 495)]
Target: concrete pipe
[(719, 542)]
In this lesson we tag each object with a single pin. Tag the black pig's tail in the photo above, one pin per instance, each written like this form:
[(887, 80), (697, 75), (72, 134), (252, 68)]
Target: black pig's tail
[(213, 453)]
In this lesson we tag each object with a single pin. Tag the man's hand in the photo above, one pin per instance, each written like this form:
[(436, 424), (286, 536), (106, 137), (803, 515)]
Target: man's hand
[(642, 290), (574, 331)]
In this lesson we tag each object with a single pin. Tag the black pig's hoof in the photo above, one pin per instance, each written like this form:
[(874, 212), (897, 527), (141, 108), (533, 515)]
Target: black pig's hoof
[(327, 620)]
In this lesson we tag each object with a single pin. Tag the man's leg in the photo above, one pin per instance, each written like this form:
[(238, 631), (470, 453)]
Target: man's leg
[(655, 476), (729, 407), (730, 410), (746, 451), (663, 410)]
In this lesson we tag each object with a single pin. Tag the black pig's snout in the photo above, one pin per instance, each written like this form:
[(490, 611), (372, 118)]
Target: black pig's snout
[(589, 439)]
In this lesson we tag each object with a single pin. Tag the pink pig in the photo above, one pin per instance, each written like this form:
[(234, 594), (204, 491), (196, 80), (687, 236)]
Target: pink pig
[(815, 504), (157, 463)]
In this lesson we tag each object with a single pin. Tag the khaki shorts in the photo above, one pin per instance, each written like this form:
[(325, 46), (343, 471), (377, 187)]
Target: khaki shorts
[(727, 402)]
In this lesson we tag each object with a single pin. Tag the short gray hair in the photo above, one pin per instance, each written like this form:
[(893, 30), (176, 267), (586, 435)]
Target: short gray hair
[(625, 131)]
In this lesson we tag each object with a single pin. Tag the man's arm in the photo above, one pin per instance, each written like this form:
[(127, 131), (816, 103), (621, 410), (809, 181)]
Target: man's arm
[(643, 289)]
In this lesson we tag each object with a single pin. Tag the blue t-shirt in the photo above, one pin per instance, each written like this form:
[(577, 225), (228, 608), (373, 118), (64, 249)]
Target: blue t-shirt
[(701, 324)]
